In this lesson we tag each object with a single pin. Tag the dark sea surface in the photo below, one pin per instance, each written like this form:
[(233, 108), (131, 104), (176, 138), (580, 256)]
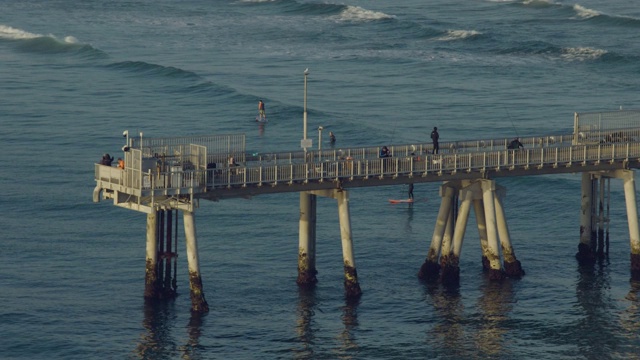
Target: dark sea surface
[(75, 74)]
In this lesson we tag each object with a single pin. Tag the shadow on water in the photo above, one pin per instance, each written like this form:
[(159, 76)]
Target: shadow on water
[(350, 321), (479, 336), (595, 338), (306, 332), (449, 332), (158, 341), (630, 317), (495, 304)]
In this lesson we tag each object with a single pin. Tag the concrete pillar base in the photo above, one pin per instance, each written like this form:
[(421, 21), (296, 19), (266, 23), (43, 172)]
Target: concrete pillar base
[(306, 276), (151, 285), (351, 286), (585, 255), (486, 264), (635, 267), (496, 274), (198, 302), (429, 271), (513, 269), (450, 275)]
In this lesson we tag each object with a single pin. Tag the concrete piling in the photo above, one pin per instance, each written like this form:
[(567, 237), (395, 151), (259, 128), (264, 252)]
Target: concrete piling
[(450, 261), (351, 285), (431, 268), (198, 302), (151, 279), (585, 253), (478, 209), (307, 241), (493, 255), (512, 266), (632, 219)]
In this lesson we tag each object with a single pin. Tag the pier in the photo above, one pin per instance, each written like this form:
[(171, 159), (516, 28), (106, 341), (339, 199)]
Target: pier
[(165, 176)]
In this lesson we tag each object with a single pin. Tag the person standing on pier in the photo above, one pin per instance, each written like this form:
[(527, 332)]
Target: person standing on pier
[(434, 137), (262, 115)]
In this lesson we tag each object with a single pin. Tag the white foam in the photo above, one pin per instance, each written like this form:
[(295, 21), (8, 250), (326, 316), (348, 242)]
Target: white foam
[(7, 32), (582, 53), (585, 13), (356, 13), (458, 35)]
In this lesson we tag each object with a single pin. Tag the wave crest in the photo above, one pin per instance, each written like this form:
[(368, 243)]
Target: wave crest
[(7, 32), (451, 35), (582, 53), (358, 14), (585, 13)]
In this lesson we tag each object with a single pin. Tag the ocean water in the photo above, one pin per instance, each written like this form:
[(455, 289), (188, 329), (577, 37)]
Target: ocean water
[(76, 74)]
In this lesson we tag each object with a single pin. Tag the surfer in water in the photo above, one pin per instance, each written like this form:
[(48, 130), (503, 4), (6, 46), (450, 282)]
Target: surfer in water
[(411, 191), (262, 116)]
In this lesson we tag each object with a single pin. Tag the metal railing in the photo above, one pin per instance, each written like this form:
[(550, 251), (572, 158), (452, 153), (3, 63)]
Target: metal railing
[(197, 181)]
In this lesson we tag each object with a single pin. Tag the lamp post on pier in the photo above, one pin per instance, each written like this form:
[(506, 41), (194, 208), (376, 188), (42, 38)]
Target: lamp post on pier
[(305, 143), (320, 128)]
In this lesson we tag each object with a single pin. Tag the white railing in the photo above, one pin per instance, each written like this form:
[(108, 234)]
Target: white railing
[(363, 164)]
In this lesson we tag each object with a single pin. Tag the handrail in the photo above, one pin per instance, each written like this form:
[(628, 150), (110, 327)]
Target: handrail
[(197, 181)]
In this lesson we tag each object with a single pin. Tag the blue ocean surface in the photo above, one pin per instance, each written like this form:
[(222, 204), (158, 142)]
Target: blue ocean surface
[(76, 74)]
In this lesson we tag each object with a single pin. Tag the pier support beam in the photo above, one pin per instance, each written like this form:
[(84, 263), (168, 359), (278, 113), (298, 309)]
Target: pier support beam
[(512, 266), (307, 241), (151, 290), (198, 302), (632, 219), (450, 261), (488, 195), (351, 285), (431, 268), (586, 254), (478, 209)]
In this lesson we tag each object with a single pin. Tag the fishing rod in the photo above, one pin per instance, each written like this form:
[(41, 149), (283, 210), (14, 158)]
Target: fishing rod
[(511, 120)]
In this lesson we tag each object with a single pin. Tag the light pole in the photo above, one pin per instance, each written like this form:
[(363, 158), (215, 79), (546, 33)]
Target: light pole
[(304, 116), (320, 143)]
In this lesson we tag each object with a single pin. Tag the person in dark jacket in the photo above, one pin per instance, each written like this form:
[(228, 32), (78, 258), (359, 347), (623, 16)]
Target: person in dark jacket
[(515, 144), (106, 160), (384, 152), (434, 137)]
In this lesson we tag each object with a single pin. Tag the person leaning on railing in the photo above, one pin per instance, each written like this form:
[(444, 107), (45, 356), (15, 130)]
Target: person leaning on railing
[(515, 144), (120, 163)]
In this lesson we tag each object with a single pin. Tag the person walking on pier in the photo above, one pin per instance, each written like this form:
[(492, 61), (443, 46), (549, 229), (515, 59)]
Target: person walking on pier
[(434, 137), (262, 115)]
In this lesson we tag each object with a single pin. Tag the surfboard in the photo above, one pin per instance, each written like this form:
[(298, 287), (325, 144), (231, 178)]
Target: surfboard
[(393, 201), (261, 121), (404, 201)]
